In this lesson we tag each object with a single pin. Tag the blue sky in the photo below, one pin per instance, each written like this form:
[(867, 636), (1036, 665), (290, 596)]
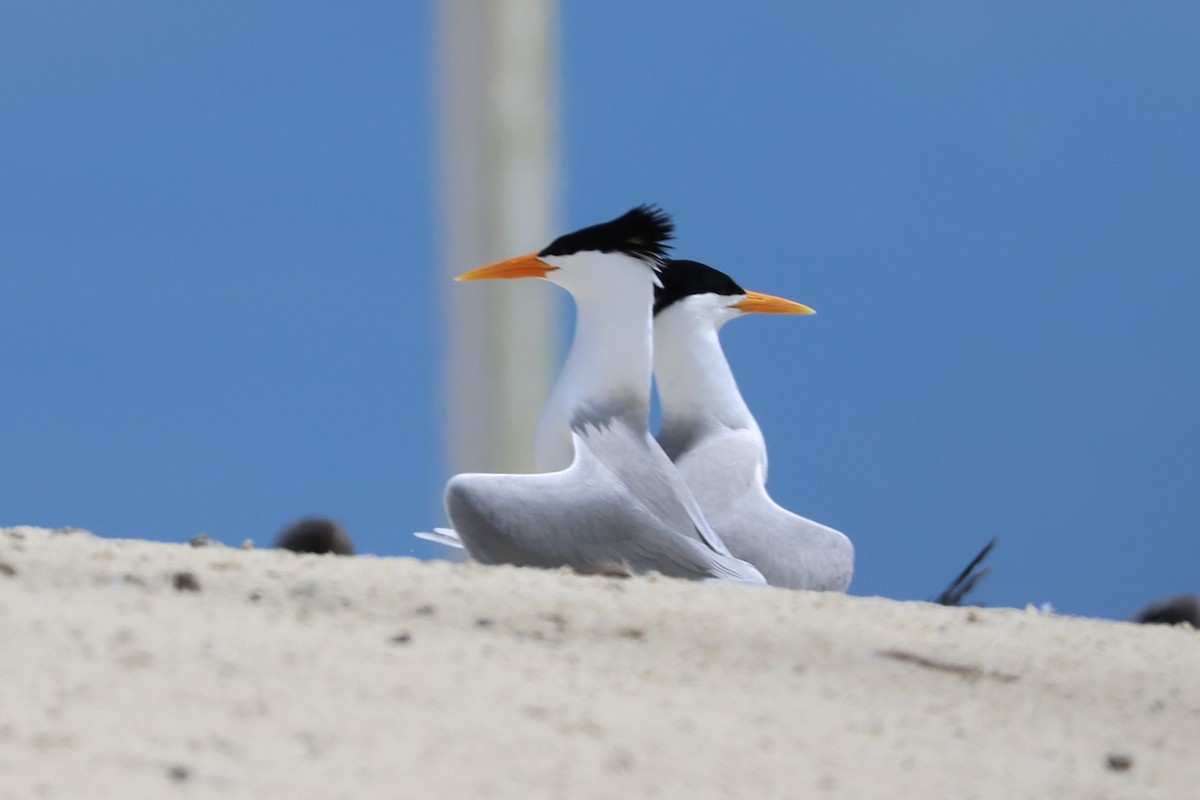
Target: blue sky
[(218, 272)]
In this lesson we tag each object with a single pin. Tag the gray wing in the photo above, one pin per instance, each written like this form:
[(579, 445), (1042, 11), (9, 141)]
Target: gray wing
[(725, 473), (609, 507), (790, 550), (649, 475), (721, 468)]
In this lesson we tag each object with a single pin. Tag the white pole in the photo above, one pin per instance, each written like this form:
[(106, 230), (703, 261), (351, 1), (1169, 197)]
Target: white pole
[(498, 185)]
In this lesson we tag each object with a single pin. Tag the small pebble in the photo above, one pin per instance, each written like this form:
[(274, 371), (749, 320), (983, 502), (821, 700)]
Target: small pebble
[(307, 589), (1119, 762), (178, 772), (7, 569), (402, 638), (186, 581), (202, 540)]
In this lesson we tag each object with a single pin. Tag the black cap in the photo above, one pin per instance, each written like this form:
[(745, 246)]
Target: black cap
[(682, 279), (642, 233)]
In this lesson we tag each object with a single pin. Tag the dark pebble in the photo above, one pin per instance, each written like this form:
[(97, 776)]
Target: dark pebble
[(1119, 762), (315, 535), (185, 581)]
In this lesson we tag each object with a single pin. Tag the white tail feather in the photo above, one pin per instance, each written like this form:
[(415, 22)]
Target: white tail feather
[(443, 536)]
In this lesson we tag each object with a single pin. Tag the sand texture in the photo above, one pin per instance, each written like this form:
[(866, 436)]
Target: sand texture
[(136, 669)]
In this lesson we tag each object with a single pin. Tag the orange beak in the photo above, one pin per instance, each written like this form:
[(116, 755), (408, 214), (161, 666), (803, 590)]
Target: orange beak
[(526, 266), (757, 303)]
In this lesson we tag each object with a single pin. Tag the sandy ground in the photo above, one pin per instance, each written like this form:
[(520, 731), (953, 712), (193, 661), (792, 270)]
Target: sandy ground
[(137, 669)]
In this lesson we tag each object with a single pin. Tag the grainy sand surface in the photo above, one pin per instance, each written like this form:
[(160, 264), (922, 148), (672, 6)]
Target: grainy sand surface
[(137, 669)]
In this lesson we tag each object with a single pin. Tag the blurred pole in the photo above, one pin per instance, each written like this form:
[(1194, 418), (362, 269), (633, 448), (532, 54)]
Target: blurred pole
[(497, 69)]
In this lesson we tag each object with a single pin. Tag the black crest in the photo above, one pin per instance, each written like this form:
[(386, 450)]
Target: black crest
[(682, 279), (642, 233)]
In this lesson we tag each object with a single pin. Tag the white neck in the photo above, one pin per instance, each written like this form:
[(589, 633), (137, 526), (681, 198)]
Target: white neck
[(609, 363), (695, 383)]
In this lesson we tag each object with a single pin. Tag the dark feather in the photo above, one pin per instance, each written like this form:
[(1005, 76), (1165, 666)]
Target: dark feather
[(642, 233), (967, 580)]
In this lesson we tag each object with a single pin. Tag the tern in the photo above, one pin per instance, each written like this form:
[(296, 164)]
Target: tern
[(619, 499), (711, 436), (709, 433)]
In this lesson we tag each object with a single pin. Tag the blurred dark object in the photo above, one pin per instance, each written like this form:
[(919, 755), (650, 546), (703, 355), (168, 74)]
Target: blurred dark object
[(185, 581), (315, 535), (967, 580), (1171, 611)]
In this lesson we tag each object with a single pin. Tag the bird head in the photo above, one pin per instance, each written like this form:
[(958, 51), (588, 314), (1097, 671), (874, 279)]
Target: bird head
[(709, 295), (634, 244)]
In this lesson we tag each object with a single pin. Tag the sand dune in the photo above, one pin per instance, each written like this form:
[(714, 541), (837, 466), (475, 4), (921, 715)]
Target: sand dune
[(138, 669)]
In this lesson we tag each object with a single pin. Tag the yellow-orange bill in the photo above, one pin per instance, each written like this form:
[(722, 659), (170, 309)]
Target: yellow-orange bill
[(758, 303), (526, 266)]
